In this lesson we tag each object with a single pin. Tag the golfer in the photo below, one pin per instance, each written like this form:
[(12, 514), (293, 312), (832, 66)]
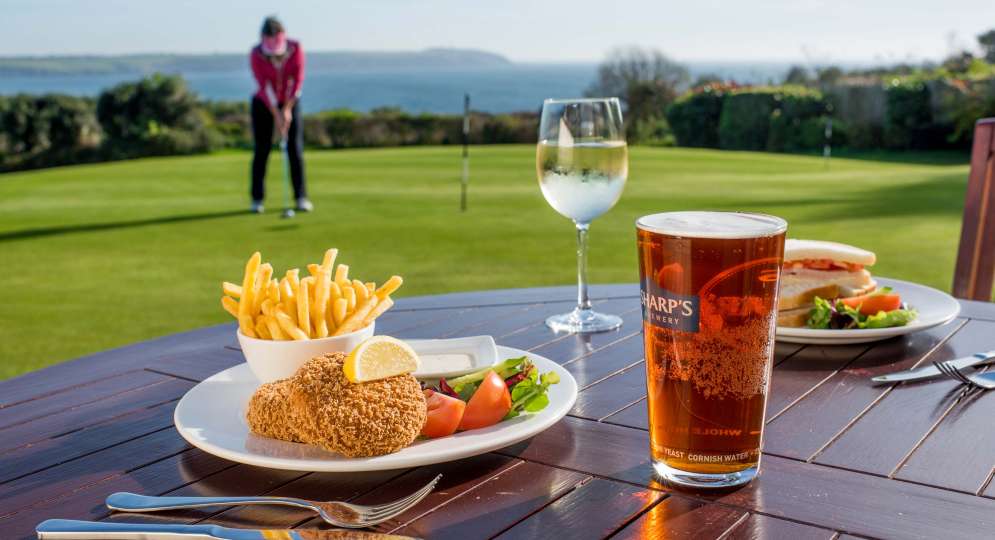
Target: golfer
[(278, 66)]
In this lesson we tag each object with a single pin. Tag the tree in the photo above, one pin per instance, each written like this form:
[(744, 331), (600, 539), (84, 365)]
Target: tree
[(798, 75), (646, 81), (987, 42)]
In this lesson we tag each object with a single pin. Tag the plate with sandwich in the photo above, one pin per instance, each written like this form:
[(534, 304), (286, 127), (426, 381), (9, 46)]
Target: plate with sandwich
[(828, 296)]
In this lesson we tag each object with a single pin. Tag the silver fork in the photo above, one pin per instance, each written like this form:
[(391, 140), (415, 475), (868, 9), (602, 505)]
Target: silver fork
[(973, 381), (337, 513)]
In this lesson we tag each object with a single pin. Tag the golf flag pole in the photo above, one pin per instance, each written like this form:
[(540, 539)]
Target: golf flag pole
[(466, 152)]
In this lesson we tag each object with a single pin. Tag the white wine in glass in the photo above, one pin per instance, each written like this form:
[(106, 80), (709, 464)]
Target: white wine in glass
[(582, 164)]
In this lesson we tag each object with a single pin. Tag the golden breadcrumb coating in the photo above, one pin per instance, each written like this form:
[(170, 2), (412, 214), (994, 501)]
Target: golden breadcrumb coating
[(356, 419), (269, 409), (319, 406)]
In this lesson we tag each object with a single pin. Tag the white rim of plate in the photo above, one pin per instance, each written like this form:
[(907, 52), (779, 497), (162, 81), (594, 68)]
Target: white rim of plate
[(543, 421)]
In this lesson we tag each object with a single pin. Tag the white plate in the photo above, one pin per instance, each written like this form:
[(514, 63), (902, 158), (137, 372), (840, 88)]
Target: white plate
[(481, 349), (934, 307), (211, 416)]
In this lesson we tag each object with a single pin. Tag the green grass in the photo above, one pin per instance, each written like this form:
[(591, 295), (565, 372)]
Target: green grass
[(98, 256)]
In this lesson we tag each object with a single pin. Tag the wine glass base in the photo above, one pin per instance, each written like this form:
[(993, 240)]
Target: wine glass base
[(583, 321)]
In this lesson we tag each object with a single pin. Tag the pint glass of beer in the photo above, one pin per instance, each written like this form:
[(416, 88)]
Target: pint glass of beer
[(709, 294)]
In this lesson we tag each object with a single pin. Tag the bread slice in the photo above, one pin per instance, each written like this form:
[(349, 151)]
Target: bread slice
[(797, 250), (796, 295), (793, 311), (793, 318), (799, 286)]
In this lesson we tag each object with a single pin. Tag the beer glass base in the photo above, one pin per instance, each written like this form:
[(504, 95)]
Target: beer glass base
[(704, 480), (583, 321)]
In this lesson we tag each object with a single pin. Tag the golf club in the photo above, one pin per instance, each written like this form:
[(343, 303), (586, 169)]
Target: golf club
[(288, 211)]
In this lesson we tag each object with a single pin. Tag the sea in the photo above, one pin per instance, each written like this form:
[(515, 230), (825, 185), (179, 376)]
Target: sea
[(494, 89)]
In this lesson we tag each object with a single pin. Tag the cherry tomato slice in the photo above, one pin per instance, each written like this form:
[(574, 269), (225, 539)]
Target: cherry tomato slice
[(488, 405), (444, 414), (871, 305)]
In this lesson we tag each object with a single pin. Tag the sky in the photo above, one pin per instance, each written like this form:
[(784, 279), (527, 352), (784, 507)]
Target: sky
[(811, 31)]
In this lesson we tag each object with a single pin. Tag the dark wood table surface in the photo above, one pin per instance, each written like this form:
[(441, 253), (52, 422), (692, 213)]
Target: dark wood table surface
[(842, 458)]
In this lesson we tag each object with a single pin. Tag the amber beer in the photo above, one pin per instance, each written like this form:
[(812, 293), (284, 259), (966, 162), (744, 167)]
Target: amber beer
[(709, 295)]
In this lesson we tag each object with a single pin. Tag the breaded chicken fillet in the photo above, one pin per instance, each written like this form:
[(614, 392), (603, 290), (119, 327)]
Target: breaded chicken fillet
[(323, 408)]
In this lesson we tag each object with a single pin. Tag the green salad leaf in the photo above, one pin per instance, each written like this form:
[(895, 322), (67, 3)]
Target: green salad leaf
[(529, 395), (837, 315)]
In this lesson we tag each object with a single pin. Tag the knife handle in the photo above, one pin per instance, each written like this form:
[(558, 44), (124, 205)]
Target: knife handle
[(99, 530)]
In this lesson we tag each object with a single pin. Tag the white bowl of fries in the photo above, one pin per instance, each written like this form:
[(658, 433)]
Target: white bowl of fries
[(272, 360), (284, 322)]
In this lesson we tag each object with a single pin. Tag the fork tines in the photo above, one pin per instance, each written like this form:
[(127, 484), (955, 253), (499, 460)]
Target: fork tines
[(954, 373)]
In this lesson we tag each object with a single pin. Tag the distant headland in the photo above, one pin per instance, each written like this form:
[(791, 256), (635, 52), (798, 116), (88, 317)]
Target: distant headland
[(139, 64)]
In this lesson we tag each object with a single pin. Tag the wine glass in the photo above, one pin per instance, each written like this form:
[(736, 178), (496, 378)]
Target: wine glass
[(582, 164)]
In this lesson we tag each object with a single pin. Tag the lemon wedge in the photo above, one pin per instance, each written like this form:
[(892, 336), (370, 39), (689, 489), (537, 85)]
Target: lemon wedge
[(379, 357)]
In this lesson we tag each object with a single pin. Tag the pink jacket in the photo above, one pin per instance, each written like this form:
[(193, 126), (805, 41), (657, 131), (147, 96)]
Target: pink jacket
[(278, 82)]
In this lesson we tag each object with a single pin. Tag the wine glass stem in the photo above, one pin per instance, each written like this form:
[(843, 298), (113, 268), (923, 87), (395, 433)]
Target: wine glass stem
[(583, 302)]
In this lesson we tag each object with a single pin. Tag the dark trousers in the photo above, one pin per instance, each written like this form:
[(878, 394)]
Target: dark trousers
[(262, 135)]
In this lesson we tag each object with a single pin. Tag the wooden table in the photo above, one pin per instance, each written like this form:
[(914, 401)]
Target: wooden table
[(842, 458)]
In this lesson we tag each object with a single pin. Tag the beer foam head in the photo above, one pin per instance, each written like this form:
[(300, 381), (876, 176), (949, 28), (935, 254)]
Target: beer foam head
[(705, 224)]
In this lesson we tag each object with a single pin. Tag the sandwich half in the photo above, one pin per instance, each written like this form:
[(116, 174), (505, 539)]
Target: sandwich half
[(817, 268)]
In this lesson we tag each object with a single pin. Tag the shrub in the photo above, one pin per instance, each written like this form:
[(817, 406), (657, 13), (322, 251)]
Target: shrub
[(231, 120), (47, 130), (694, 117), (745, 118), (798, 122), (909, 115), (157, 115)]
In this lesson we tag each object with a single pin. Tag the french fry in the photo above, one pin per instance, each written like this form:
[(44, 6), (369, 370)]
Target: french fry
[(329, 259), (231, 289), (261, 329), (342, 274), (334, 291), (321, 291), (285, 290), (230, 305), (245, 303), (330, 317), (288, 325), (262, 282), (304, 308), (294, 276), (275, 331), (362, 293), (350, 296), (389, 287), (273, 291), (310, 287), (339, 311), (379, 309), (355, 320), (322, 303), (247, 325)]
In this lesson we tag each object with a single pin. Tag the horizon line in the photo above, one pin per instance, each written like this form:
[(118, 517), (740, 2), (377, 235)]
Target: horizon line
[(865, 62)]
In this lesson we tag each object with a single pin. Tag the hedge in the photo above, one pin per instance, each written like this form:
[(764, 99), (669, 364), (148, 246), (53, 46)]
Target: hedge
[(694, 117), (779, 119)]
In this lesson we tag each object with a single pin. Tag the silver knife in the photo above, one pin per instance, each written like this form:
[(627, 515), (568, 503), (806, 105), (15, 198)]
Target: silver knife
[(68, 529), (929, 371)]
